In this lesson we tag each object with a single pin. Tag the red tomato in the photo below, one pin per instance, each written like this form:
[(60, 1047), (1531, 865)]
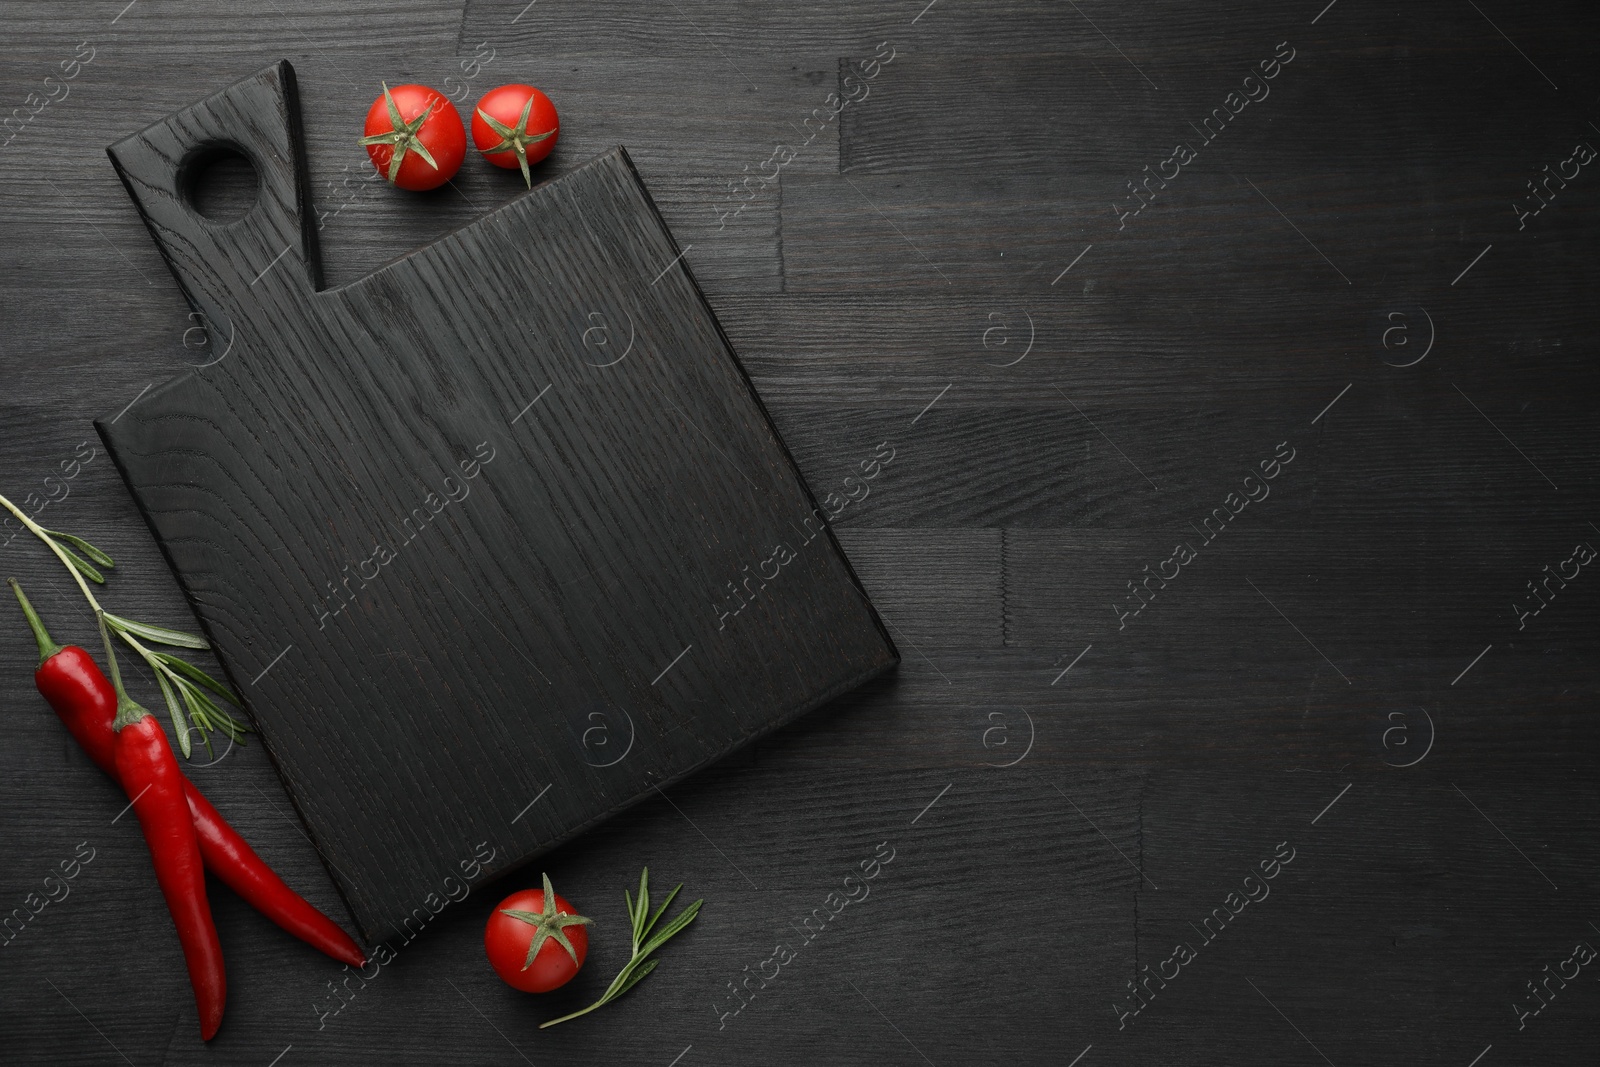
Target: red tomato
[(414, 137), (536, 940), (515, 125)]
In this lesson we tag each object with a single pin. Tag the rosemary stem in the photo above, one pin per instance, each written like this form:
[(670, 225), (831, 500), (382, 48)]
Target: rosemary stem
[(39, 532), (94, 603), (574, 1015)]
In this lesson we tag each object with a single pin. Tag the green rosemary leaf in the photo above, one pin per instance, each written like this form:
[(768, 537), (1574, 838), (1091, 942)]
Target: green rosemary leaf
[(651, 925), (83, 566), (83, 546), (642, 906), (203, 711), (179, 726), (195, 674), (633, 979), (685, 917), (160, 634), (229, 725), (200, 711), (638, 967)]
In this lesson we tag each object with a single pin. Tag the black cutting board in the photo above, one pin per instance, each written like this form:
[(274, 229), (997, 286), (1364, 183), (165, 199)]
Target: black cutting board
[(495, 541)]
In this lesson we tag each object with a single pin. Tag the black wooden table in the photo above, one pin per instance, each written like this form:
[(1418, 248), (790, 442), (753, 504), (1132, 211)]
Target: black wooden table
[(1237, 369)]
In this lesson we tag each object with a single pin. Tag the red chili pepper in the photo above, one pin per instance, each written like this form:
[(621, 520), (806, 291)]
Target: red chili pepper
[(86, 703), (150, 776)]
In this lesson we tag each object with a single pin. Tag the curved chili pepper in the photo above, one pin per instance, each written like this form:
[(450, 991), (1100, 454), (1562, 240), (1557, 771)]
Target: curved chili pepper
[(86, 703), (150, 776), (231, 859)]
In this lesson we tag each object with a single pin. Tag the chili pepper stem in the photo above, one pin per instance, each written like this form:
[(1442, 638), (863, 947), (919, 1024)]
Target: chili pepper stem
[(164, 674), (47, 647), (129, 711)]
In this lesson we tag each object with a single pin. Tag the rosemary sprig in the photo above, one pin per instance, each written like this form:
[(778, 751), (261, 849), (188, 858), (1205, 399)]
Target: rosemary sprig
[(644, 943), (177, 678)]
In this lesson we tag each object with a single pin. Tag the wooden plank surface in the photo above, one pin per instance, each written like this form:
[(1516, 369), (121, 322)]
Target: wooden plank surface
[(1305, 650)]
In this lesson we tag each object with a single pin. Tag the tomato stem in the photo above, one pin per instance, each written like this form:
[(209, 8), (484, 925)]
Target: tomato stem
[(547, 925), (515, 138), (402, 137)]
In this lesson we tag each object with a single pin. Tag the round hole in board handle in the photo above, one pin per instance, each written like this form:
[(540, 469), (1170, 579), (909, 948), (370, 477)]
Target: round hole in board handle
[(219, 183)]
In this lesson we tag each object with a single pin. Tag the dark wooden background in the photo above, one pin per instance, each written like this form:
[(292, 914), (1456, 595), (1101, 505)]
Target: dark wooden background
[(1357, 619)]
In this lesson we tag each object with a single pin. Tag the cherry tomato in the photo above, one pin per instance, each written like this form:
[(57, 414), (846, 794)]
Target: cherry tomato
[(536, 940), (515, 125), (414, 137)]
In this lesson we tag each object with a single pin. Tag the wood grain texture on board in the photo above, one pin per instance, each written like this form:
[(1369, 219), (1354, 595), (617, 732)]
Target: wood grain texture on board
[(496, 540)]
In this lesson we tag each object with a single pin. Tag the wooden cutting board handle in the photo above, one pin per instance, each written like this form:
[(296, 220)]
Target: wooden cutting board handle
[(271, 249)]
